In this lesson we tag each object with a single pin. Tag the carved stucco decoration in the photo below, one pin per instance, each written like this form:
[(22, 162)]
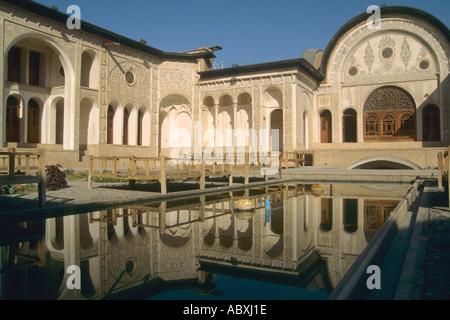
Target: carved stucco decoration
[(361, 34), (176, 81), (119, 89), (136, 252)]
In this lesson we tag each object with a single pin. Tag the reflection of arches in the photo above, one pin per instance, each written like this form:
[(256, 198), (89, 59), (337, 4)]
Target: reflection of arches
[(376, 212), (349, 126), (431, 123), (350, 215), (86, 240), (111, 230), (325, 127), (245, 234), (326, 214), (384, 162), (12, 119), (56, 232)]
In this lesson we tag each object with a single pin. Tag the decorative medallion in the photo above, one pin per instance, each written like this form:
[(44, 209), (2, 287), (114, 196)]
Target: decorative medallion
[(424, 64), (130, 78)]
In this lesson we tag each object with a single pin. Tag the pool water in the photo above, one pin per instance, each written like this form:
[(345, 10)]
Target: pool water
[(296, 244)]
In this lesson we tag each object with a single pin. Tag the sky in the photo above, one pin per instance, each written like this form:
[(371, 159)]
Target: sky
[(249, 31)]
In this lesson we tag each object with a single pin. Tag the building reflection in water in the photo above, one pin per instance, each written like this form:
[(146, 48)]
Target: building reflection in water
[(306, 239)]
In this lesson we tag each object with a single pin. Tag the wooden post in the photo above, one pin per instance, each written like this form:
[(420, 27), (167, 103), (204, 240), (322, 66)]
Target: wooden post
[(41, 163), (246, 168), (27, 164), (147, 166), (163, 180), (11, 162), (41, 193), (440, 166), (132, 182), (114, 170), (280, 169), (202, 174)]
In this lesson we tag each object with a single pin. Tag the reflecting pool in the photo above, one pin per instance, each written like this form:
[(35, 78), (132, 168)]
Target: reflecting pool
[(295, 242)]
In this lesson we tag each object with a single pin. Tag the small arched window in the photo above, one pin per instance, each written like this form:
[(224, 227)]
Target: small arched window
[(431, 123)]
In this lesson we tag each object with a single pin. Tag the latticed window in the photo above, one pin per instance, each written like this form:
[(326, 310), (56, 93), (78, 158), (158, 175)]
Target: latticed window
[(372, 125), (389, 124), (407, 124), (389, 114)]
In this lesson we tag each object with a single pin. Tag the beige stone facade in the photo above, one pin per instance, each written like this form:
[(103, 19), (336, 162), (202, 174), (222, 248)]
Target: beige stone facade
[(372, 98)]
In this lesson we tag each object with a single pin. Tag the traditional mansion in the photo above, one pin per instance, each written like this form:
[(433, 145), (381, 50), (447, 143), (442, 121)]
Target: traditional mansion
[(373, 98)]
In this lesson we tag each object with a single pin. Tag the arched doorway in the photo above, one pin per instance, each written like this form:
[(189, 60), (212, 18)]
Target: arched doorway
[(33, 122), (126, 116), (431, 123), (325, 127), (349, 126), (110, 125), (88, 131), (12, 119), (59, 119), (276, 131)]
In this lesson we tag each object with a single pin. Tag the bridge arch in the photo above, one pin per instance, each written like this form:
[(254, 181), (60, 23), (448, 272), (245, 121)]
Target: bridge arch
[(384, 162)]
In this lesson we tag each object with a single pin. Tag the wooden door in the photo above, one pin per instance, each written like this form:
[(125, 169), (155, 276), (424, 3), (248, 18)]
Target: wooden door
[(110, 126), (12, 120), (325, 127), (126, 116), (33, 122)]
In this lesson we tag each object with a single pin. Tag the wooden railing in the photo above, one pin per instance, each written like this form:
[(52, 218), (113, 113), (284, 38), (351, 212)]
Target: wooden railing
[(23, 168), (444, 172), (196, 166)]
